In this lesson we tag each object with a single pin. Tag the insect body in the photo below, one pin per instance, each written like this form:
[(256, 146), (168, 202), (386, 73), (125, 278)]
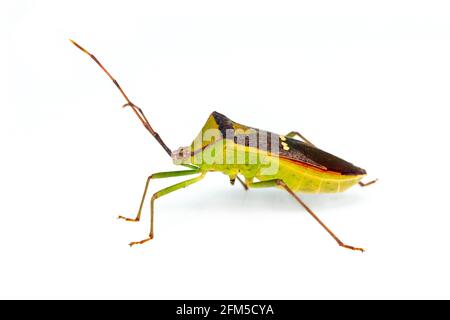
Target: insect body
[(263, 158), (301, 165)]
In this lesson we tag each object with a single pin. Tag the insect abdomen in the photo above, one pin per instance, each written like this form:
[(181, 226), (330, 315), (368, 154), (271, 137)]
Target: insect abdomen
[(307, 179), (252, 163)]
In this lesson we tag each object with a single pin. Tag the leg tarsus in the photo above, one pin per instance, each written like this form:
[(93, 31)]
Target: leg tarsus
[(128, 219), (343, 245), (365, 184), (142, 241)]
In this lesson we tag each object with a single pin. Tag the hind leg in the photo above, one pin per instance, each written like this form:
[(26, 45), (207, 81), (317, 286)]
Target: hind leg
[(293, 134), (280, 183)]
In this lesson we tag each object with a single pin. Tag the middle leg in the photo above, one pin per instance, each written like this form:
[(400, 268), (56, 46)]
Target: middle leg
[(233, 180)]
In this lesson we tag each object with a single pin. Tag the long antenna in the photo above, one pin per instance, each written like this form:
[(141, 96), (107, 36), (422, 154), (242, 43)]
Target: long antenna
[(135, 108)]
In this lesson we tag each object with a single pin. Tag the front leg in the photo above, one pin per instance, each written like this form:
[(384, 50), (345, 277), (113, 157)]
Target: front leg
[(158, 175), (164, 192)]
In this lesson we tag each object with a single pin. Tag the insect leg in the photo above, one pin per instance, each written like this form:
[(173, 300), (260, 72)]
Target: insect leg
[(159, 175), (161, 193), (280, 183), (242, 182), (293, 134), (365, 184), (190, 166), (233, 180)]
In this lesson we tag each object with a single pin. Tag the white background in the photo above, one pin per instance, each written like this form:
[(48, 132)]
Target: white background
[(367, 81)]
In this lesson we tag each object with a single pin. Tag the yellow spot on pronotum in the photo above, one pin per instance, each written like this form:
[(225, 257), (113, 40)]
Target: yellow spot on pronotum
[(285, 146), (282, 138)]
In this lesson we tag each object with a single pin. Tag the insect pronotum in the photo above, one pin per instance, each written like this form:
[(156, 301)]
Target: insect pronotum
[(263, 158)]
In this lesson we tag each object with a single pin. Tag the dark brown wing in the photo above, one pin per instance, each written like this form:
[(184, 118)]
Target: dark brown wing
[(291, 149), (299, 150)]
